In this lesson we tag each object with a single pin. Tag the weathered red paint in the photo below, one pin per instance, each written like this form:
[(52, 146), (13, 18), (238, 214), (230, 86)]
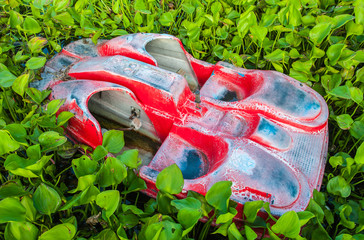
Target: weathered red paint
[(262, 130)]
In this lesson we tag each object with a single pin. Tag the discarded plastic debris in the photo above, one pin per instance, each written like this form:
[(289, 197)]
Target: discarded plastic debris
[(262, 130)]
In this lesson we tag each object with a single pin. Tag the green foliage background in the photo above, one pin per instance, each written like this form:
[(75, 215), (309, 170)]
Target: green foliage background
[(319, 43)]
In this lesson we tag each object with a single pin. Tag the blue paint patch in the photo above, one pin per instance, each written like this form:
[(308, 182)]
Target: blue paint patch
[(313, 105), (280, 178), (241, 75), (267, 128), (288, 97), (272, 134), (213, 73), (192, 164)]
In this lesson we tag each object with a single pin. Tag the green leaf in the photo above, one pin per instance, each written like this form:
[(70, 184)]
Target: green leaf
[(118, 32), (31, 212), (353, 28), (99, 153), (21, 230), (226, 217), (139, 5), (219, 194), (88, 195), (31, 25), (65, 231), (344, 214), (106, 234), (304, 217), (126, 23), (109, 201), (276, 56), (138, 18), (6, 78), (336, 161), (7, 143), (46, 200), (113, 141), (308, 20), (188, 217), (344, 121), (234, 232), (341, 92), (36, 95), (317, 52), (112, 172), (130, 158), (63, 117), (60, 5), (15, 19), (259, 33), (20, 84), (288, 225), (319, 32), (121, 232), (359, 156), (216, 7), (53, 106), (338, 186), (251, 210), (84, 182), (249, 233), (65, 19), (166, 19), (320, 233), (341, 20), (36, 62), (170, 180), (18, 166), (356, 94), (12, 189), (83, 166), (17, 131), (223, 229), (188, 202), (36, 44), (302, 66), (293, 53), (11, 210), (357, 129), (51, 139), (334, 52), (268, 20), (188, 8), (359, 11), (132, 209)]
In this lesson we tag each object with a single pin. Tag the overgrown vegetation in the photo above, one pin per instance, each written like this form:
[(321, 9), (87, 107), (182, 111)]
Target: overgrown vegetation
[(52, 191)]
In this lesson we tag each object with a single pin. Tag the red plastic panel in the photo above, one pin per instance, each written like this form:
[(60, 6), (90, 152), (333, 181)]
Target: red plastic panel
[(262, 130)]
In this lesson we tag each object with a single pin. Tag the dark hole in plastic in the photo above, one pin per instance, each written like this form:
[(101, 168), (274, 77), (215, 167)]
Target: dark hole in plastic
[(228, 96), (193, 164)]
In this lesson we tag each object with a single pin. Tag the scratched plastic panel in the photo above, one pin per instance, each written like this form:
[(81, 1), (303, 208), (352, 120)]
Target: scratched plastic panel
[(131, 68), (192, 162), (271, 134), (83, 48), (55, 69), (224, 92), (288, 98), (250, 166), (306, 154), (218, 121)]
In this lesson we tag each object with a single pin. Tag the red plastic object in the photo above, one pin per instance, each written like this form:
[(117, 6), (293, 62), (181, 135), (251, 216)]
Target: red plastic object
[(262, 130)]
